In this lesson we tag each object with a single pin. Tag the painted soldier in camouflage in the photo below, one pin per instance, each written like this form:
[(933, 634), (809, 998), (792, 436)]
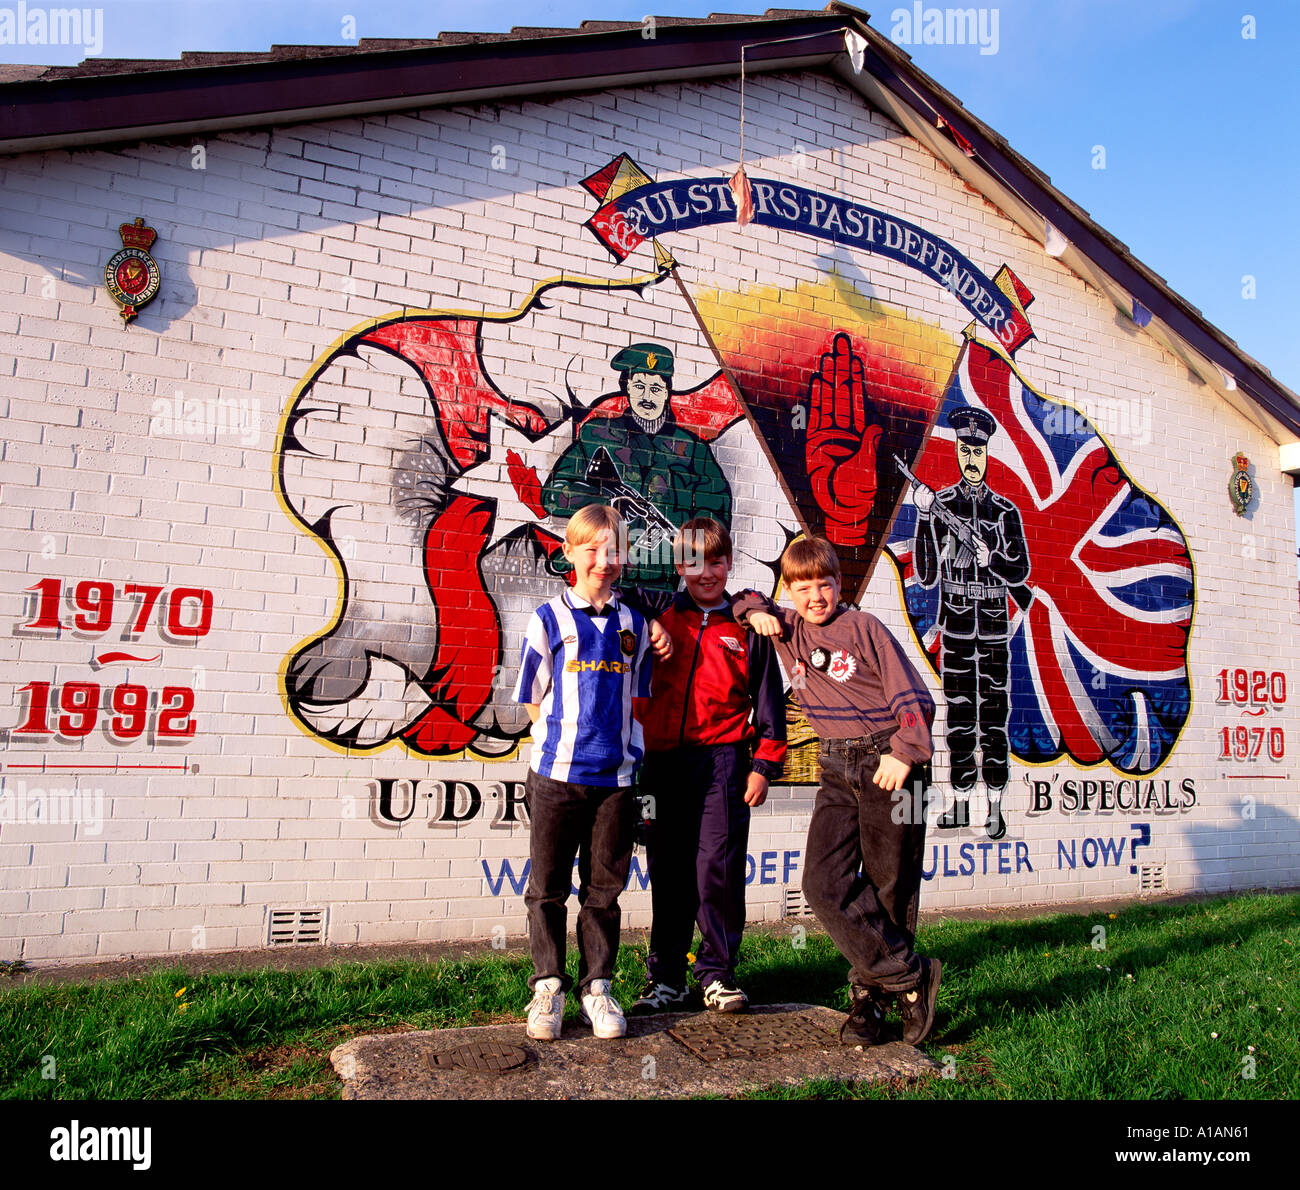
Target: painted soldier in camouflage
[(656, 473)]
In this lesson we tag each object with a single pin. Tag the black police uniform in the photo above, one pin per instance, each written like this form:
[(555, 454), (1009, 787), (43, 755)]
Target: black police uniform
[(973, 614)]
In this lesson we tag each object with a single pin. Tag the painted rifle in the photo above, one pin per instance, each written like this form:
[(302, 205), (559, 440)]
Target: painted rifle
[(603, 475), (966, 536)]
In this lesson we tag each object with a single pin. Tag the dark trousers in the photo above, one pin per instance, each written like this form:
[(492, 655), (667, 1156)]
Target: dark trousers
[(695, 853), (593, 823), (976, 677), (862, 869)]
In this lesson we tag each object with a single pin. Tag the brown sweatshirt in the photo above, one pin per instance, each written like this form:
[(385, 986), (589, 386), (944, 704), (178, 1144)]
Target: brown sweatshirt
[(850, 676)]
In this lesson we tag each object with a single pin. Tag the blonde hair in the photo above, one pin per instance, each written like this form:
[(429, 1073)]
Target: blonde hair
[(701, 539), (809, 558), (591, 521)]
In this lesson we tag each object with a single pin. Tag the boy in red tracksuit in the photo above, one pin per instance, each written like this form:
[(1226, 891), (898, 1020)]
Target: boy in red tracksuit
[(714, 738)]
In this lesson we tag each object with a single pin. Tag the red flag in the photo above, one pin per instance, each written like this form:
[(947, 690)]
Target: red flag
[(961, 142), (744, 196)]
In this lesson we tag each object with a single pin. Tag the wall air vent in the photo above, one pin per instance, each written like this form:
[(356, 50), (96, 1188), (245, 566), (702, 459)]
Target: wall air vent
[(795, 905), (296, 927), (1151, 879)]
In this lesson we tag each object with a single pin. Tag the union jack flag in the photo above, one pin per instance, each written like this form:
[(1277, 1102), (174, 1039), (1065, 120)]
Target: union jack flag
[(1098, 655)]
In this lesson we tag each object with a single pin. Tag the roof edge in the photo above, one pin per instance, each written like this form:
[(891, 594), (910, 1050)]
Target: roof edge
[(52, 113)]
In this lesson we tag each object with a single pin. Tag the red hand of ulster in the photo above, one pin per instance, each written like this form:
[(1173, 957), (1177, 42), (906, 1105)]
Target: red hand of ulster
[(843, 438)]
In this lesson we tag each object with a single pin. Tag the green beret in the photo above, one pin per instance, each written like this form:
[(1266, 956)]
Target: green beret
[(644, 357)]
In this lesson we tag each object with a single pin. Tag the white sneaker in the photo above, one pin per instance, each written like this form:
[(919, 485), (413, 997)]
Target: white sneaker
[(602, 1012), (546, 1010), (725, 997)]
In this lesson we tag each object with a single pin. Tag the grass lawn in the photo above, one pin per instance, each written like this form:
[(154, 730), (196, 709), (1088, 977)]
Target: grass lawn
[(1183, 1002)]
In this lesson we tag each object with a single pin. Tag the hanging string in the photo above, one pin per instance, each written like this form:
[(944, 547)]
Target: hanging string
[(740, 187), (743, 48), (741, 191)]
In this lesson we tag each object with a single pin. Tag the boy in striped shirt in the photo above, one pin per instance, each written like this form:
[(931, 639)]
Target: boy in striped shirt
[(586, 656)]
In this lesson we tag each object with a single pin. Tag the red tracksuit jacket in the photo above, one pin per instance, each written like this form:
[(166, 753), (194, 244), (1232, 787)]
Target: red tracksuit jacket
[(717, 675)]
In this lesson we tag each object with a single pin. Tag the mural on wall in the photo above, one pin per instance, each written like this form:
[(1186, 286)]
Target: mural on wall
[(837, 382), (442, 499), (1052, 597), (1051, 594), (634, 455), (970, 545), (825, 374)]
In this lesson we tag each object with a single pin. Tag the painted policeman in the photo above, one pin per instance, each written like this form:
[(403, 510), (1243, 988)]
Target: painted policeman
[(970, 541), (656, 473)]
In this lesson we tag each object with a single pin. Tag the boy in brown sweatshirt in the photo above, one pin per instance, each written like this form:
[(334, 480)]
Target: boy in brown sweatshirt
[(872, 712)]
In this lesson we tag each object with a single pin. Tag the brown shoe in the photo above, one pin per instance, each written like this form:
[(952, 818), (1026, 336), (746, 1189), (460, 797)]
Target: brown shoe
[(917, 1007), (865, 1024)]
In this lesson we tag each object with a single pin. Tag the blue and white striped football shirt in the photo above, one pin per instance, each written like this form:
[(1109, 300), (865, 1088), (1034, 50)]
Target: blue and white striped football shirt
[(583, 670)]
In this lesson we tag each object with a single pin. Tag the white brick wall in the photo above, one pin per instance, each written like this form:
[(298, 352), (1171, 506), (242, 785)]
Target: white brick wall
[(288, 240)]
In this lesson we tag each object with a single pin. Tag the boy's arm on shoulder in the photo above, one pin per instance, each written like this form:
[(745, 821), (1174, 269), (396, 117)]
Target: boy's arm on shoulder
[(744, 603), (750, 603), (661, 640), (909, 700)]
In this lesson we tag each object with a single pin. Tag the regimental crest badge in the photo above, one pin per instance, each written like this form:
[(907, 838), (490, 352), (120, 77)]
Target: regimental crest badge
[(627, 641), (843, 665), (1241, 488), (132, 275)]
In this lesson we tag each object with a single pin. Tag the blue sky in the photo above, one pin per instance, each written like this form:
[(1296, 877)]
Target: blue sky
[(1199, 178)]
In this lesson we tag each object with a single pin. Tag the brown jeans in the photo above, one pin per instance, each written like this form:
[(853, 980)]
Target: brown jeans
[(862, 865)]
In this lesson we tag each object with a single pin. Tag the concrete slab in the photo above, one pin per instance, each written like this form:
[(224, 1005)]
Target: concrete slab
[(666, 1056)]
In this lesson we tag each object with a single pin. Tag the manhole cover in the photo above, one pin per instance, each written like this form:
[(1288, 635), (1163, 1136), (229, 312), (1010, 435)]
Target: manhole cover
[(480, 1057), (718, 1038)]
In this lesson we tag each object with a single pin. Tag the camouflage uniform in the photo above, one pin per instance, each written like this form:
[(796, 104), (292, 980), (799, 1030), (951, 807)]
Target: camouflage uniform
[(668, 469)]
